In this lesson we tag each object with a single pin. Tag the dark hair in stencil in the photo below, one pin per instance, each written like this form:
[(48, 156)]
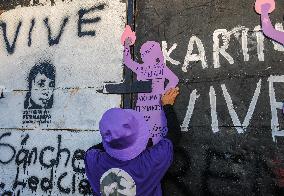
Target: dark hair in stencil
[(48, 70)]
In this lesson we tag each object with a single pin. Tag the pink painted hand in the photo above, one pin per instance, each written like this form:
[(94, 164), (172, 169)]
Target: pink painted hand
[(264, 6), (127, 35)]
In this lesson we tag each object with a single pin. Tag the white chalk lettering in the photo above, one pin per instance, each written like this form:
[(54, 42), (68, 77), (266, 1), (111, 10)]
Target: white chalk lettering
[(217, 49), (274, 106), (168, 53), (214, 118), (193, 97), (195, 57), (260, 43), (241, 127)]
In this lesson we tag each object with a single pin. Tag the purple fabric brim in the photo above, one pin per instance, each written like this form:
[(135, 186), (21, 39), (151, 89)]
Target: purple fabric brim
[(138, 146)]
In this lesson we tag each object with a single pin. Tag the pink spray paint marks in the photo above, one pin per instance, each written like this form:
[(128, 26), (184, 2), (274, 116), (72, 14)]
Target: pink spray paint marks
[(259, 3), (128, 33), (153, 68), (264, 7)]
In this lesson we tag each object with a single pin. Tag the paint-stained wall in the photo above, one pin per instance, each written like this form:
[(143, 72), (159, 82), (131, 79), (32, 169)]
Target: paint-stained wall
[(55, 56), (53, 61), (231, 94)]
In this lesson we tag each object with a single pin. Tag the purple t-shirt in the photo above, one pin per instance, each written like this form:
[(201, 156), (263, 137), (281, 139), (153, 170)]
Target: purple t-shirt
[(140, 176)]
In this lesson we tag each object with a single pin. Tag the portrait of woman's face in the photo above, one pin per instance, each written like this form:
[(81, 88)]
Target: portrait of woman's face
[(42, 90), (41, 86)]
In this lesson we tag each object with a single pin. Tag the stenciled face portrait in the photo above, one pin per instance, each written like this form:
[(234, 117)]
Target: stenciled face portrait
[(41, 84), (42, 90)]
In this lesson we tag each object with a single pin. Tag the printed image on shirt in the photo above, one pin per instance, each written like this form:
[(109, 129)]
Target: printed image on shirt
[(117, 182)]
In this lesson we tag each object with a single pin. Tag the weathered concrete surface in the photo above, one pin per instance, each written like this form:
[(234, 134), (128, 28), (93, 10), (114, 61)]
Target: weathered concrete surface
[(81, 62), (61, 108), (226, 104)]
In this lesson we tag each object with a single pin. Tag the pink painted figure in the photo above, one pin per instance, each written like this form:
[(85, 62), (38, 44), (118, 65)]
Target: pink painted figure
[(264, 7), (153, 68)]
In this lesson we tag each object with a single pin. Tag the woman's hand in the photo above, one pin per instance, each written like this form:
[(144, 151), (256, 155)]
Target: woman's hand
[(170, 96)]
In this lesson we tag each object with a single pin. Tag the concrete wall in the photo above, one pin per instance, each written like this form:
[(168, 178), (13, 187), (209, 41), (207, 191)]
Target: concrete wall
[(231, 83), (231, 93), (55, 56)]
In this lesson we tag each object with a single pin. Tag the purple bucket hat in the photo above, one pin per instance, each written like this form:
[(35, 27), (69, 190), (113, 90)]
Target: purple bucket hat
[(125, 133)]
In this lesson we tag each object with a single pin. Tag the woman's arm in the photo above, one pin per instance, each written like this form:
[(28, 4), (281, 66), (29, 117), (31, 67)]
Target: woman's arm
[(174, 130)]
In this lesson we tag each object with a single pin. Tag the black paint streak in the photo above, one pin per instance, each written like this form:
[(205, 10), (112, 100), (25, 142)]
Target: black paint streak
[(30, 32), (53, 41), (17, 182), (60, 187), (1, 95), (7, 145), (73, 183), (10, 47), (7, 193), (78, 155), (63, 150), (84, 187), (22, 157), (24, 141), (82, 21), (2, 185), (53, 2), (47, 183), (33, 181), (33, 151), (52, 161)]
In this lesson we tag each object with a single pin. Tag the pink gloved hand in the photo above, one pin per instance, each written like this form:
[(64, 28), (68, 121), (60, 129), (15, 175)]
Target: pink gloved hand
[(264, 6), (127, 35)]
